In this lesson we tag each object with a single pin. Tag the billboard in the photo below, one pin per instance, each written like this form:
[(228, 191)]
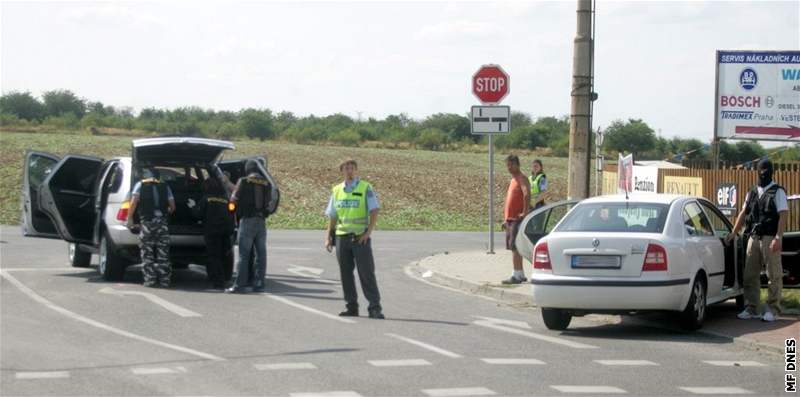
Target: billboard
[(645, 179), (758, 95), (625, 174), (689, 185)]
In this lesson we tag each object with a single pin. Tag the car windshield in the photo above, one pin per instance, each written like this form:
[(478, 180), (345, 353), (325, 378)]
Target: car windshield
[(615, 217)]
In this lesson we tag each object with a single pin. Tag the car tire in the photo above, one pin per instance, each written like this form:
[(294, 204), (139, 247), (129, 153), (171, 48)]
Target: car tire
[(110, 265), (695, 312), (556, 319), (78, 258)]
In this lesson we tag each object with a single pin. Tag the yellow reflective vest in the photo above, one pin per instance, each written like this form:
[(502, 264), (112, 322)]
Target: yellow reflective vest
[(352, 216)]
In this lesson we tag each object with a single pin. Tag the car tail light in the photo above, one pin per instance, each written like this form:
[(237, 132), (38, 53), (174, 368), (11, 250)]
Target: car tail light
[(122, 214), (655, 259), (541, 257)]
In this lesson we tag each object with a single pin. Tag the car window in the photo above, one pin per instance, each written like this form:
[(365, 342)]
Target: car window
[(555, 216), (114, 180), (39, 167), (695, 221), (536, 224), (627, 217), (718, 224)]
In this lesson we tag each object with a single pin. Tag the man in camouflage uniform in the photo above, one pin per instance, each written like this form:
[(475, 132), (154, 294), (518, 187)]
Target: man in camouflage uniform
[(154, 202)]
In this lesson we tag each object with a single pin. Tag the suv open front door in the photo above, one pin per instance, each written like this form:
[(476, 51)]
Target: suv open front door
[(236, 170), (67, 196), (35, 223)]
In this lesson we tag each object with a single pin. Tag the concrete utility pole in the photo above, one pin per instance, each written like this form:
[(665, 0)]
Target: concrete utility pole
[(581, 110)]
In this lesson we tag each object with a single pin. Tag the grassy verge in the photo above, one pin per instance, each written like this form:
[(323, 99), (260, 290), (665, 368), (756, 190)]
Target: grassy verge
[(790, 299), (418, 190)]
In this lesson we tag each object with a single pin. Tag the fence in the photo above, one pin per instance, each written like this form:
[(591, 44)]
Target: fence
[(704, 182)]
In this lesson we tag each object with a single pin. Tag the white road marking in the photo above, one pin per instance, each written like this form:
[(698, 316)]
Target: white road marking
[(501, 321), (546, 338), (38, 298), (284, 366), (735, 363), (42, 375), (459, 391), (43, 269), (310, 309), (327, 394), (310, 272), (426, 346), (158, 370), (290, 248), (589, 389), (512, 361), (399, 363), (179, 310), (625, 362), (408, 270), (716, 390)]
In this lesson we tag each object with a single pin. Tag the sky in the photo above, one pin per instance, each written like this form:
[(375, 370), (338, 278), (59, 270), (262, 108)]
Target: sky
[(654, 60)]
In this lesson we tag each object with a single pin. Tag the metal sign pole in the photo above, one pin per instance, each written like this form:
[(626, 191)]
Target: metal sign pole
[(491, 194)]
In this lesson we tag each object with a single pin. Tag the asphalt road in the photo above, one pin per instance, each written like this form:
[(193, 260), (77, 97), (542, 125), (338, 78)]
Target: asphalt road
[(65, 332)]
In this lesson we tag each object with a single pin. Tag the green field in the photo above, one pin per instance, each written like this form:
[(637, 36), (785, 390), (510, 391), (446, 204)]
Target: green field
[(418, 190)]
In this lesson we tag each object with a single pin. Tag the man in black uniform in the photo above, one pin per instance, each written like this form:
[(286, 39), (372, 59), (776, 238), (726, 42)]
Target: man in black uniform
[(218, 225), (154, 202), (765, 211), (252, 198)]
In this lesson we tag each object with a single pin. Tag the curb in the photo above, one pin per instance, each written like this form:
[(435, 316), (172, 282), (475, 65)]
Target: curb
[(517, 300)]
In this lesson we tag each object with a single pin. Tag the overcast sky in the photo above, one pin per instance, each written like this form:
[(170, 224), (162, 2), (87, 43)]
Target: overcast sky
[(654, 60)]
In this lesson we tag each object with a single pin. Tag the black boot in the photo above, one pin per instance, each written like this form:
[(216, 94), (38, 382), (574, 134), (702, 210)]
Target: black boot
[(349, 312), (376, 314)]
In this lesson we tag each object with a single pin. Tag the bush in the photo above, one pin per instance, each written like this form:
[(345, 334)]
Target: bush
[(346, 137), (67, 121), (431, 139)]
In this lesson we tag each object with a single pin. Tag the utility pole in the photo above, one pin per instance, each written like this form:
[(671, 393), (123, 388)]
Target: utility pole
[(581, 109)]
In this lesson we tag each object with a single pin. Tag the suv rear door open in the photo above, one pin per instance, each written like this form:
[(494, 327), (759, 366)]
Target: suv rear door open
[(35, 223), (178, 151), (236, 170), (67, 196)]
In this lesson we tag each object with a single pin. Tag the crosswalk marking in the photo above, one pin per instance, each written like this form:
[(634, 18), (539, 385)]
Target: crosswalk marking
[(157, 370), (399, 363), (284, 366), (589, 389), (734, 363), (512, 361), (42, 375), (625, 362), (327, 394), (426, 346), (459, 392), (716, 390)]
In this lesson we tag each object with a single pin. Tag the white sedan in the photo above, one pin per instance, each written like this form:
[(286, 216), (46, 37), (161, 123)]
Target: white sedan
[(613, 254)]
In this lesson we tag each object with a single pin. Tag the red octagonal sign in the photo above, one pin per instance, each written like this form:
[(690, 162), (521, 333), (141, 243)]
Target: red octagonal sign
[(490, 84)]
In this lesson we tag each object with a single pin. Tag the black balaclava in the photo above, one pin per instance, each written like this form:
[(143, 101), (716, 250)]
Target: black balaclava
[(251, 167), (764, 172)]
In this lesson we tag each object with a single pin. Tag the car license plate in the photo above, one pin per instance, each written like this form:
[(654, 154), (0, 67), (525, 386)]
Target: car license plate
[(596, 261)]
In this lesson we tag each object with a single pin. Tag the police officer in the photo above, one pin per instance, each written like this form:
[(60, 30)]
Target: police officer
[(154, 202), (352, 212), (538, 182), (252, 197), (764, 213), (218, 225)]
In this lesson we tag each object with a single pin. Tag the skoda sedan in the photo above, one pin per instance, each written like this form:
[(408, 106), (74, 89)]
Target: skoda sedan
[(617, 254)]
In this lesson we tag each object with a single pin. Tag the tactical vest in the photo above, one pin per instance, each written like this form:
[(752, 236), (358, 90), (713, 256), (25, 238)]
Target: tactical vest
[(217, 218), (147, 205), (253, 197), (534, 181), (762, 213), (352, 216)]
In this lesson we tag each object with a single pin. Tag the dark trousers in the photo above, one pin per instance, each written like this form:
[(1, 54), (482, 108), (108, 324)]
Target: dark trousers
[(218, 246), (351, 256)]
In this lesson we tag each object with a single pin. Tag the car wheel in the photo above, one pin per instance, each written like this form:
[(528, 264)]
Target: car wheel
[(695, 312), (556, 319), (110, 265), (78, 258)]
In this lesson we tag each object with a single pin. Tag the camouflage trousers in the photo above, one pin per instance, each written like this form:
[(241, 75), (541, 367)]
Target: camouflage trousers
[(154, 246)]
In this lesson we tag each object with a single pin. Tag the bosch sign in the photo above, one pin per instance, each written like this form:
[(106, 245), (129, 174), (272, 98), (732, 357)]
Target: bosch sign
[(740, 101)]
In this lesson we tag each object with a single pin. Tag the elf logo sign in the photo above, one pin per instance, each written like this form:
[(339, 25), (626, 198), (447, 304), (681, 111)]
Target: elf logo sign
[(490, 84)]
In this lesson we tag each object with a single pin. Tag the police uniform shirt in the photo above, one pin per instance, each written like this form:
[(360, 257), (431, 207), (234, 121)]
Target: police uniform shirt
[(781, 203), (372, 199), (138, 186)]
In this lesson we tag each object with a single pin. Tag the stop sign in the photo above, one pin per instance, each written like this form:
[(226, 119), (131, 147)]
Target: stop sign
[(490, 84)]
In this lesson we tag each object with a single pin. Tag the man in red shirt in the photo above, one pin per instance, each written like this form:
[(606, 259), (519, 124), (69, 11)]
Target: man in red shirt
[(517, 205)]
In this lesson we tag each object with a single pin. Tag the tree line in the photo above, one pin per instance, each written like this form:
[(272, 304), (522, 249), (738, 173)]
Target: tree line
[(64, 110)]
